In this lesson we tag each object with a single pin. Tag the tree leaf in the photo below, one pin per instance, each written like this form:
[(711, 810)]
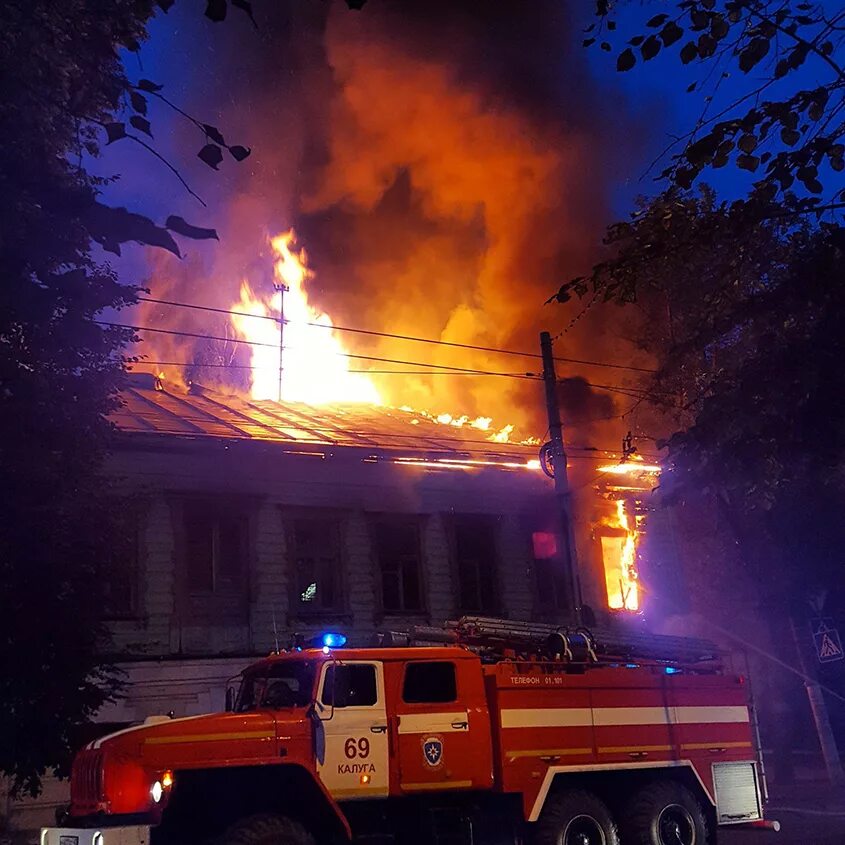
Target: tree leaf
[(626, 60), (700, 20), (689, 52), (141, 124), (781, 68), (650, 48), (111, 227), (790, 136), (611, 25), (239, 153), (356, 5), (657, 20), (588, 41), (147, 85), (706, 45), (139, 103), (181, 227), (747, 143), (753, 53), (215, 10), (747, 162), (605, 45), (719, 27), (245, 6), (213, 134), (165, 5), (211, 155), (637, 40), (691, 87), (671, 33), (115, 131)]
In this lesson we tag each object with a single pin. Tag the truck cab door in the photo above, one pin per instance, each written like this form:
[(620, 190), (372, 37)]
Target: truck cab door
[(443, 731), (352, 752)]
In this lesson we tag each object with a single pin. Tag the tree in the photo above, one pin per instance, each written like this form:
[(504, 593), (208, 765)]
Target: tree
[(63, 89), (776, 126), (742, 296)]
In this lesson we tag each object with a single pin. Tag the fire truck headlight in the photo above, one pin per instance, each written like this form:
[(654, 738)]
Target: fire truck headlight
[(157, 790)]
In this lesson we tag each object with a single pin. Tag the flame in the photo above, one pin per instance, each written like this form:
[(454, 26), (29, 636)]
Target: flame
[(619, 555), (314, 363)]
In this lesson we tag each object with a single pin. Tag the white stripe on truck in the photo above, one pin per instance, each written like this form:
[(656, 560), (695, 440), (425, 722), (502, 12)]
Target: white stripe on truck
[(575, 717)]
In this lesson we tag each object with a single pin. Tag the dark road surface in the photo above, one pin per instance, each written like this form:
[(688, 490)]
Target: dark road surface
[(804, 829)]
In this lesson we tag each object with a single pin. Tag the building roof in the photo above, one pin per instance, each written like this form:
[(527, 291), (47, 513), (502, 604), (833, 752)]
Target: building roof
[(153, 408)]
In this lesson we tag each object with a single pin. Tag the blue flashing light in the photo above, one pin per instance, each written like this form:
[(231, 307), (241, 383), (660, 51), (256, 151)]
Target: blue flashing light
[(671, 670), (333, 640)]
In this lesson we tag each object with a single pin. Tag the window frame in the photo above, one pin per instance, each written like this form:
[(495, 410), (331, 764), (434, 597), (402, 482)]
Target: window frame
[(493, 521), (138, 514), (337, 519), (413, 663), (557, 580), (416, 521), (229, 603), (329, 665)]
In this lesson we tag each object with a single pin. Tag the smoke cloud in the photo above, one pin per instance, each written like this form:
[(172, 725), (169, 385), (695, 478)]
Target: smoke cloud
[(443, 164)]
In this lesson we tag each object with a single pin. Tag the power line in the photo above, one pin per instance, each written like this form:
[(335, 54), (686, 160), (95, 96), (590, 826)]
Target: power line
[(199, 365), (411, 338), (444, 367)]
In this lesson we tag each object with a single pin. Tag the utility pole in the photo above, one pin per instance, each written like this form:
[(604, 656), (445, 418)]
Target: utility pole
[(282, 289), (818, 708), (558, 458)]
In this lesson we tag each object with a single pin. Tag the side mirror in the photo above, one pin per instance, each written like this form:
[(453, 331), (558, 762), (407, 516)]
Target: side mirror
[(230, 699)]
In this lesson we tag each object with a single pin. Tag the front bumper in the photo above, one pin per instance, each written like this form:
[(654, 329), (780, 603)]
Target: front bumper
[(123, 835)]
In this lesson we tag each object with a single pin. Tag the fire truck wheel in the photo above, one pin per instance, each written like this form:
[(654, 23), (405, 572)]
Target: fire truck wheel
[(575, 818), (266, 829), (665, 813)]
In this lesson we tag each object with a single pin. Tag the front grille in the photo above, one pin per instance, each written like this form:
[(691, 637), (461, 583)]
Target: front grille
[(86, 780)]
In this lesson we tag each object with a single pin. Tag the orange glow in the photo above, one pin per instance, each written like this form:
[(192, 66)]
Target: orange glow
[(315, 368), (629, 468), (619, 555), (167, 779)]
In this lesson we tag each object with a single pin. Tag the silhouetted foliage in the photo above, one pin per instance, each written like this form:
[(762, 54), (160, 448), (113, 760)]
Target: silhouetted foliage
[(63, 92), (776, 128)]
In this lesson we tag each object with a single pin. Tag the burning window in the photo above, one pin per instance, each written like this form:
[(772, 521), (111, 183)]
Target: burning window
[(618, 539), (397, 543), (475, 559), (215, 548), (317, 564)]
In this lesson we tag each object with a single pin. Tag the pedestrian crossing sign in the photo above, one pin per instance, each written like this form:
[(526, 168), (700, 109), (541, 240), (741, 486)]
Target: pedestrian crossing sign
[(827, 641)]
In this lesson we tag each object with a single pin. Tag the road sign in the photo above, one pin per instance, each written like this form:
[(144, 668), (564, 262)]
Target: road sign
[(827, 641)]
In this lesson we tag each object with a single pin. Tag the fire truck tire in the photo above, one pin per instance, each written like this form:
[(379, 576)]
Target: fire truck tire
[(665, 813), (575, 817), (266, 829)]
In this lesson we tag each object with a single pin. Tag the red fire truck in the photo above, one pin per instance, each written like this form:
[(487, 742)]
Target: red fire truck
[(491, 732)]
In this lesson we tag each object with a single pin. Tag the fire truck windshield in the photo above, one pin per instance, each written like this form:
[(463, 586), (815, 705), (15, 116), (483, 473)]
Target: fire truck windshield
[(289, 683)]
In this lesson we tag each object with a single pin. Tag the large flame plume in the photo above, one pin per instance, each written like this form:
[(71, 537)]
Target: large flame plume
[(307, 362)]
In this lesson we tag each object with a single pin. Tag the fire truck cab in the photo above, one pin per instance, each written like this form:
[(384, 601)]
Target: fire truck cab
[(433, 744)]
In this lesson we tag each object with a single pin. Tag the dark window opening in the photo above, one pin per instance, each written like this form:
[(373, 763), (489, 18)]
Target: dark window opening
[(397, 544), (350, 685), (215, 548), (475, 556), (430, 683), (317, 564), (550, 557), (119, 575)]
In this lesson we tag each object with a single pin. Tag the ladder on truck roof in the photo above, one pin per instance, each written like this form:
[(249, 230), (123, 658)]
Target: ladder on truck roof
[(495, 640)]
